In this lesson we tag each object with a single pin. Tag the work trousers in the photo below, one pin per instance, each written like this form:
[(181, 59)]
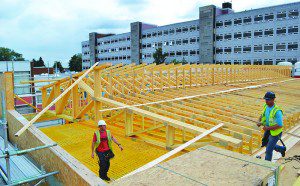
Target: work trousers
[(272, 146), (103, 164)]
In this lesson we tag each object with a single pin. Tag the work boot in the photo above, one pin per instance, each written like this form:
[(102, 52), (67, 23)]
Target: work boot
[(107, 178), (283, 152)]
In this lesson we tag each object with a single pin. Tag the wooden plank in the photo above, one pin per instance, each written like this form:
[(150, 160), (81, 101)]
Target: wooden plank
[(9, 90), (171, 153), (57, 99)]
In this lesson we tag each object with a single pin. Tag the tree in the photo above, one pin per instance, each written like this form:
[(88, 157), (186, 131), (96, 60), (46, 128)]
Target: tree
[(57, 64), (75, 63), (175, 62), (159, 57), (184, 61), (7, 54), (40, 63)]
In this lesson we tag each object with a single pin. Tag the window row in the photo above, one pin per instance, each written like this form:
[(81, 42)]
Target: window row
[(112, 41), (115, 58), (175, 53), (258, 48), (171, 31), (171, 43), (256, 61), (258, 33), (113, 50), (259, 18)]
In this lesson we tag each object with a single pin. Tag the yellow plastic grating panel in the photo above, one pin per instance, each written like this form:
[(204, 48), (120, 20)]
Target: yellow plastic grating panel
[(76, 139)]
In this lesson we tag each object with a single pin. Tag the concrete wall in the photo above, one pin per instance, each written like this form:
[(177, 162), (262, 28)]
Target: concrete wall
[(206, 32), (71, 171), (136, 29)]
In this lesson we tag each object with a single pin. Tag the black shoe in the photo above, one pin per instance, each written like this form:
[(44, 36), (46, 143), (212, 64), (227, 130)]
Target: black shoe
[(283, 152), (107, 178)]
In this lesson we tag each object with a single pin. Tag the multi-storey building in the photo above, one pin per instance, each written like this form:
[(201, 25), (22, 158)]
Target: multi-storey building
[(259, 36)]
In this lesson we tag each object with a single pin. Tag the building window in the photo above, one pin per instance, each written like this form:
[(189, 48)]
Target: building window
[(269, 32), (172, 42), (237, 49), (185, 53), (247, 34), (227, 23), (154, 34), (227, 50), (185, 41), (280, 47), (192, 28), (293, 46), (178, 30), (198, 39), (258, 18), (293, 13), (257, 62), (258, 33), (171, 31), (159, 44), (268, 62), (227, 36), (219, 37), (237, 62), (192, 52), (148, 45), (237, 35), (178, 42), (219, 24), (172, 54), (192, 40), (159, 33), (281, 15), (166, 43), (281, 31), (247, 62), (257, 48), (293, 30), (185, 29), (269, 17), (247, 20), (149, 35), (237, 21), (246, 49), (268, 47), (166, 32), (178, 53), (219, 50)]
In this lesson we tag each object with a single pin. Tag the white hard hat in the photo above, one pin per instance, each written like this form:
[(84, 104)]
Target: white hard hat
[(101, 122)]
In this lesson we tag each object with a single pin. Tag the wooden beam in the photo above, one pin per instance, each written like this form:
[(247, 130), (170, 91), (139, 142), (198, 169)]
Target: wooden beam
[(171, 153)]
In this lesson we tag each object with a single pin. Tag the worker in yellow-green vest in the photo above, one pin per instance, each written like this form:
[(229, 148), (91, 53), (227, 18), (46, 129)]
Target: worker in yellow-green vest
[(272, 120), (102, 141)]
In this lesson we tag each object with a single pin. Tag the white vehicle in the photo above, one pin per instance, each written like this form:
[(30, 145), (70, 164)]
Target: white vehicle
[(285, 64), (297, 70)]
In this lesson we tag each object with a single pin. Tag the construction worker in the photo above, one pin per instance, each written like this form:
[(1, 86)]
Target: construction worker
[(102, 141), (272, 120)]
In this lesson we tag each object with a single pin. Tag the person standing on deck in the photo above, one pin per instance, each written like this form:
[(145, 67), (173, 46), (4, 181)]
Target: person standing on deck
[(272, 120), (102, 141)]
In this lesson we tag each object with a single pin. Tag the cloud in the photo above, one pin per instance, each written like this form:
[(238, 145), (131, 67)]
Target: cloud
[(54, 29)]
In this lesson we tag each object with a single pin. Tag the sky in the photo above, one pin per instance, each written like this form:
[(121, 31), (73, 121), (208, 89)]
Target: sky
[(54, 29)]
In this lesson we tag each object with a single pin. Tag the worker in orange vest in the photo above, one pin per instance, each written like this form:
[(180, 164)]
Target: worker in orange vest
[(102, 141)]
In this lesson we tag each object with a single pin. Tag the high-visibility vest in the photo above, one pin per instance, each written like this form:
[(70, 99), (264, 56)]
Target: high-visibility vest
[(98, 139), (272, 119)]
